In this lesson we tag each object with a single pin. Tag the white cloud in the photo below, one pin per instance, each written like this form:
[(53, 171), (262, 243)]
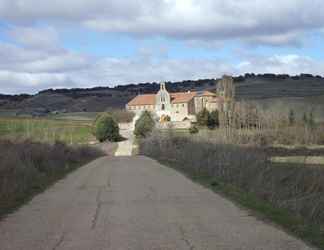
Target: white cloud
[(112, 70), (282, 64), (44, 38), (33, 62), (39, 51), (273, 22)]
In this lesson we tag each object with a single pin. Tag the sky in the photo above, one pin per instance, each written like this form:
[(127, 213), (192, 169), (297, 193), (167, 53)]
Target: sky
[(85, 43)]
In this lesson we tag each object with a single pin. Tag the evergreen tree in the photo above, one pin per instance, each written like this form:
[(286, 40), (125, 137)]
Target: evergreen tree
[(144, 125), (106, 128), (203, 117), (213, 119)]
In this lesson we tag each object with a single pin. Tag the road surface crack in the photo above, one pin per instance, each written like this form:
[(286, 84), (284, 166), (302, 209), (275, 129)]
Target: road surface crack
[(185, 239), (97, 211), (59, 242)]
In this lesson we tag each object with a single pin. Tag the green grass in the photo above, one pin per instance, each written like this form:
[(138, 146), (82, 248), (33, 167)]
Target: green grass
[(46, 130), (296, 226), (76, 116)]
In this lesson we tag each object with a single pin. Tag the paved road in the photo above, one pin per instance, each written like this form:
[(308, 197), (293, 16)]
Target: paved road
[(125, 148), (135, 203)]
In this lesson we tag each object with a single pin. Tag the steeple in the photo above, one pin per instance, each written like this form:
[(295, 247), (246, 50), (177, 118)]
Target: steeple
[(162, 86)]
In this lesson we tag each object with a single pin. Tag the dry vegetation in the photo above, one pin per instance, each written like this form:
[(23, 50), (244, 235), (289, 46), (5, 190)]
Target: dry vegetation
[(294, 188), (27, 167), (249, 123)]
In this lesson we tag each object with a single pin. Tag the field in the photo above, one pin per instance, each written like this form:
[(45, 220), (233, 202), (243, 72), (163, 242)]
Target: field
[(76, 116), (46, 130)]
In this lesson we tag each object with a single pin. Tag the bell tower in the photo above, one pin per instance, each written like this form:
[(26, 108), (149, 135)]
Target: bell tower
[(163, 99)]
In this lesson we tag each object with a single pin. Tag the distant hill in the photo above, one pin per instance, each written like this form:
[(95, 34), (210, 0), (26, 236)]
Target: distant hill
[(248, 87)]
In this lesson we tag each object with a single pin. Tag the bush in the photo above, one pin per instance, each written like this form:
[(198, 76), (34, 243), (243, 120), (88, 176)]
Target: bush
[(144, 125), (208, 119), (298, 188), (203, 117), (106, 128), (213, 119), (193, 130), (27, 167)]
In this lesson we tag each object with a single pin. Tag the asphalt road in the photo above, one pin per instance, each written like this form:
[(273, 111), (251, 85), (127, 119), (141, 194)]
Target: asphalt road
[(135, 203)]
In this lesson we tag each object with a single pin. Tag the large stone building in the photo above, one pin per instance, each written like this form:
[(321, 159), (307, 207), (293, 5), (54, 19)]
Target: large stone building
[(178, 106)]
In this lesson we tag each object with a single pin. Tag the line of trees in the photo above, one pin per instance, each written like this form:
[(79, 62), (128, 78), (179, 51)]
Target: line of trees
[(208, 119)]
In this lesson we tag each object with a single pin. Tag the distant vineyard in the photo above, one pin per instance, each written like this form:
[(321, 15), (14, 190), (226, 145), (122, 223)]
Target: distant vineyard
[(46, 130)]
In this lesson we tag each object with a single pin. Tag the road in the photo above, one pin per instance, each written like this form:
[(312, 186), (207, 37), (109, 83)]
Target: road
[(125, 148), (135, 203)]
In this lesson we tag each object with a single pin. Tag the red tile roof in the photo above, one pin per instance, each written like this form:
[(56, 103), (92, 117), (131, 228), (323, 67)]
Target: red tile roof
[(143, 100), (178, 97), (208, 93), (182, 97)]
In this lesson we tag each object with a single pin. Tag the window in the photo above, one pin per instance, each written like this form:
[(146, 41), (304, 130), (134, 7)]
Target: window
[(163, 107)]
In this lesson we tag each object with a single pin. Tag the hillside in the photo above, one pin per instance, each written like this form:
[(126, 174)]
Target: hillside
[(248, 87)]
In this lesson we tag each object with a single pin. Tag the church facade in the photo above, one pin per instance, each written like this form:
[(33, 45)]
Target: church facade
[(179, 106)]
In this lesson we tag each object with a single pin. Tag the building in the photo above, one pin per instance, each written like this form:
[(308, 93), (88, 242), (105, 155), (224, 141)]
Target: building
[(178, 106)]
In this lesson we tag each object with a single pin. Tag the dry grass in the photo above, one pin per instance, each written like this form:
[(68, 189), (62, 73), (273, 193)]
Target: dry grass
[(28, 167), (293, 136), (298, 189)]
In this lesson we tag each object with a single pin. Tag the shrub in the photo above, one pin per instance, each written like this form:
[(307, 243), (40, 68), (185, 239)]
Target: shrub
[(106, 128), (294, 187), (27, 167), (203, 117), (165, 118), (213, 119), (144, 125), (193, 130)]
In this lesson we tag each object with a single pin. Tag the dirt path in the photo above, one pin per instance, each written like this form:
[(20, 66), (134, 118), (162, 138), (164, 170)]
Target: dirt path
[(135, 203)]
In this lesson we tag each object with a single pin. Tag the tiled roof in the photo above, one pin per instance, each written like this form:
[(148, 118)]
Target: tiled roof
[(182, 97), (143, 100), (178, 97), (208, 93)]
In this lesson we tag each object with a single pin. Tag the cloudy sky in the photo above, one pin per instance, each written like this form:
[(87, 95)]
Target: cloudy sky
[(84, 43)]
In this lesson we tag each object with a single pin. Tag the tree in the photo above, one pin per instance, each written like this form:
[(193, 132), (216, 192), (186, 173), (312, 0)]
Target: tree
[(203, 117), (213, 119), (144, 125), (106, 128), (291, 118)]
